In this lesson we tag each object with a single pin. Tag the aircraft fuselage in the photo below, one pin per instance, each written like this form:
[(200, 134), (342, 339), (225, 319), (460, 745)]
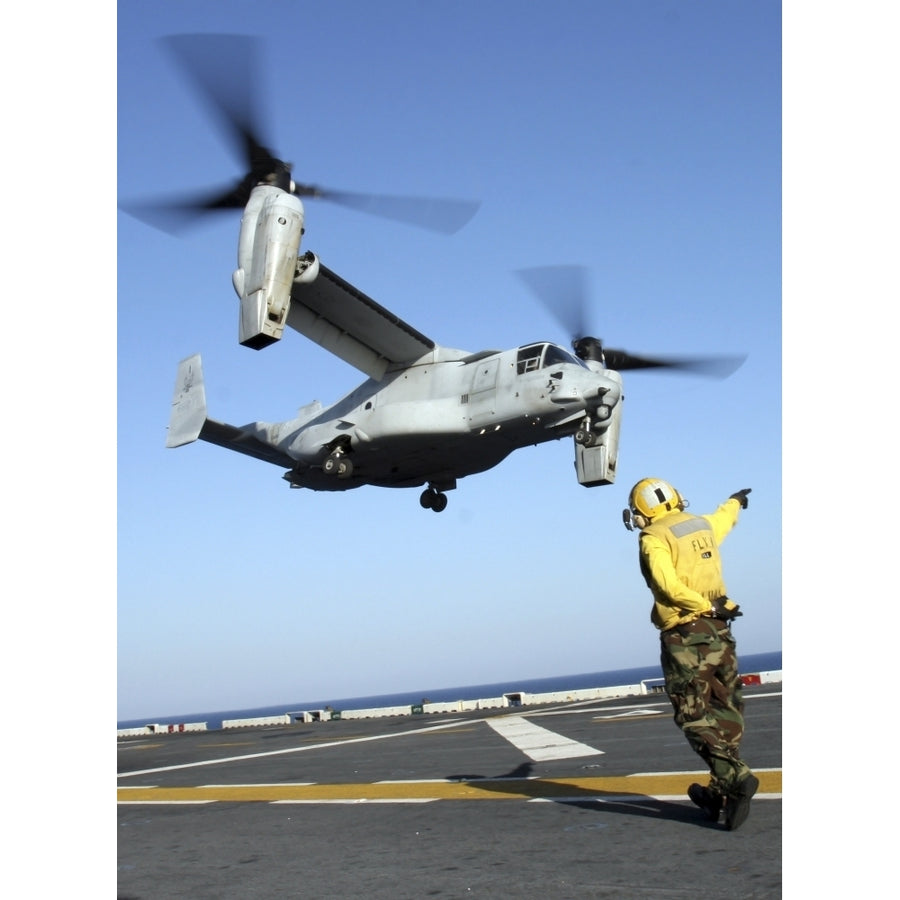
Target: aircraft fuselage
[(443, 419)]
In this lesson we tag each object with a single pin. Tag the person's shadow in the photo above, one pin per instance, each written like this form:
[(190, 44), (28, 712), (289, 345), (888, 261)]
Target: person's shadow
[(519, 782)]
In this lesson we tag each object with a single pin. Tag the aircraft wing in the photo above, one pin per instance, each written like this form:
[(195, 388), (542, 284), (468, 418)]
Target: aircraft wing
[(352, 326)]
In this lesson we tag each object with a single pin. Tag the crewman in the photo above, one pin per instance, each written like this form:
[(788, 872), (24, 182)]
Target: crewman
[(680, 561)]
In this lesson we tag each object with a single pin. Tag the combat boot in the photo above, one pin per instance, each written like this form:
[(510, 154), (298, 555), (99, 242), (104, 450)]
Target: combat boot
[(737, 804), (710, 803)]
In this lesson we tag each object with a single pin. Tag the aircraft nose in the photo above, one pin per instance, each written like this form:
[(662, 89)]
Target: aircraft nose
[(567, 392)]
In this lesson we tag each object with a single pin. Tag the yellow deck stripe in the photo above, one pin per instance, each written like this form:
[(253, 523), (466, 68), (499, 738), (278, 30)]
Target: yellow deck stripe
[(634, 787)]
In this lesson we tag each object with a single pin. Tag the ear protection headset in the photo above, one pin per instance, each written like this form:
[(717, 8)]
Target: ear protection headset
[(650, 498), (634, 520)]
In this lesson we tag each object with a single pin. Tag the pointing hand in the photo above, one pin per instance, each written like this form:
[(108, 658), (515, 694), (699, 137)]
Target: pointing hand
[(741, 497)]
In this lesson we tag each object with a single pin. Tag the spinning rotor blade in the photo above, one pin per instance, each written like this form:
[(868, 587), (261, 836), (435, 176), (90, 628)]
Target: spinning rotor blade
[(709, 366), (225, 70), (434, 213), (563, 290), (180, 212), (442, 215)]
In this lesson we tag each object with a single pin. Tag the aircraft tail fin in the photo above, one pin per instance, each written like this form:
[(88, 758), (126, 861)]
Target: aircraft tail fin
[(188, 404)]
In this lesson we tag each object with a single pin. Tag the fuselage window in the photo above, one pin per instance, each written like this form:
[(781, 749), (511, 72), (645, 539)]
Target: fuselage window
[(529, 358)]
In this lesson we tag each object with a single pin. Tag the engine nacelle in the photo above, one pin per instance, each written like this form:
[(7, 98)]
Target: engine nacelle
[(595, 463), (268, 248)]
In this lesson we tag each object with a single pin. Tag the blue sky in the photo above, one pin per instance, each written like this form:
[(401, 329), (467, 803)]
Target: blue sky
[(642, 140)]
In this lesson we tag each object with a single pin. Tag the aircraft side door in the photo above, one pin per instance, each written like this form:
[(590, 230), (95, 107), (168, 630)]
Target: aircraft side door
[(482, 406)]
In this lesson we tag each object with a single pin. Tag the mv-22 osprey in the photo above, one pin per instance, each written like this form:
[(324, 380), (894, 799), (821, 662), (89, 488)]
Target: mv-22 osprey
[(427, 415)]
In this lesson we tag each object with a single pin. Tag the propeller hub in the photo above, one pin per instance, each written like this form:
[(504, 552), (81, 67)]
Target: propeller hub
[(589, 348)]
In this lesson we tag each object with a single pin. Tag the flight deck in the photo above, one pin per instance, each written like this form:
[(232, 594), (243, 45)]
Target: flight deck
[(564, 800)]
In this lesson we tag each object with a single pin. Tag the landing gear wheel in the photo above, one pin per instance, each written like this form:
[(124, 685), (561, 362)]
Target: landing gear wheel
[(433, 499), (337, 464)]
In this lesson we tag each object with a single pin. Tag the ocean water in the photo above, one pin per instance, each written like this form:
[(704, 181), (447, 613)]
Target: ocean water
[(750, 663)]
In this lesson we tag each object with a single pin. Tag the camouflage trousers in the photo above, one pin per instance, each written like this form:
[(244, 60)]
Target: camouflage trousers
[(699, 662)]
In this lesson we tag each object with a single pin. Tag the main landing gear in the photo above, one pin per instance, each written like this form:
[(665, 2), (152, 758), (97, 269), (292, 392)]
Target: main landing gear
[(433, 499), (338, 464)]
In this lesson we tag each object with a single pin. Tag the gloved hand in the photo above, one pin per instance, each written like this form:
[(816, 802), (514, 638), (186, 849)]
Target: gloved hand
[(723, 608), (741, 497)]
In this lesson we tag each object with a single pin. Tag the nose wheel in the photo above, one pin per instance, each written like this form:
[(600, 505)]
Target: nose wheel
[(585, 436), (433, 499)]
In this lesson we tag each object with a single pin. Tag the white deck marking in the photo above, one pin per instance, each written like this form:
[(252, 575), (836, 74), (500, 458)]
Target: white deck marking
[(540, 744), (228, 759)]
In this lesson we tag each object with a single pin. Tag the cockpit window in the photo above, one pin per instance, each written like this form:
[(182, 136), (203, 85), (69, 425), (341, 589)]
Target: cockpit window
[(556, 355), (538, 356)]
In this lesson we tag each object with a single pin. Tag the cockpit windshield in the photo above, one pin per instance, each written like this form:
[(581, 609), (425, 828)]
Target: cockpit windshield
[(539, 356)]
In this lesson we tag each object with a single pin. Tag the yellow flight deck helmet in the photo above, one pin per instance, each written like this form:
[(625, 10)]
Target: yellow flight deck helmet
[(649, 498)]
